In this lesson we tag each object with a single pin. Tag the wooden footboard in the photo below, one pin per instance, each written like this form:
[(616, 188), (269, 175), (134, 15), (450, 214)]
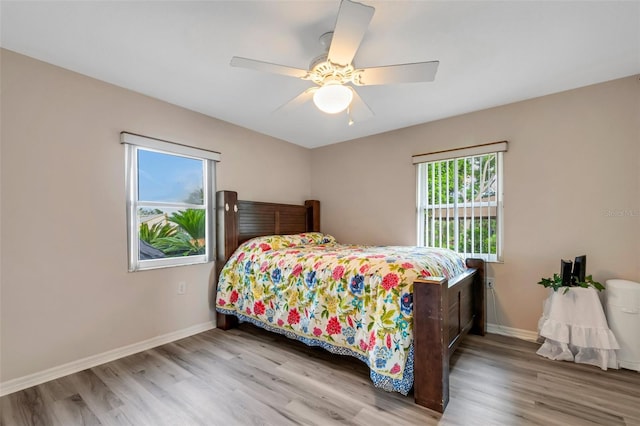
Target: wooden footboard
[(444, 311)]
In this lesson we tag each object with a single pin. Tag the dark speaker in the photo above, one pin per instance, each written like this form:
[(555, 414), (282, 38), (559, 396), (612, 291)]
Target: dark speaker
[(565, 271), (579, 268)]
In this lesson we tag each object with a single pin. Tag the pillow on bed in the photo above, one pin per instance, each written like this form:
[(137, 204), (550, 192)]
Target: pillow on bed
[(277, 242), (314, 238)]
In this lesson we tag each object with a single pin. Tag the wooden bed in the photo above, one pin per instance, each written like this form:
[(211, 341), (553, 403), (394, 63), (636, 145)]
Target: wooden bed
[(444, 311)]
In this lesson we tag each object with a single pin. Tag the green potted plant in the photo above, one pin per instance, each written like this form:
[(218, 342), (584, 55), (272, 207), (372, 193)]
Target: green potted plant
[(556, 283)]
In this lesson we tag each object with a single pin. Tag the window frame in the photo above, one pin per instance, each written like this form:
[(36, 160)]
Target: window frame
[(133, 144), (421, 161)]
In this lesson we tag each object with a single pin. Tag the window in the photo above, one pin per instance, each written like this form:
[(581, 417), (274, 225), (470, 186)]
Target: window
[(460, 200), (170, 203)]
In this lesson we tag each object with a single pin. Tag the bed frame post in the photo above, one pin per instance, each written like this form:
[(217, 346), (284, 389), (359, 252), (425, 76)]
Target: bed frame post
[(227, 233), (227, 221), (431, 343), (313, 215), (479, 304)]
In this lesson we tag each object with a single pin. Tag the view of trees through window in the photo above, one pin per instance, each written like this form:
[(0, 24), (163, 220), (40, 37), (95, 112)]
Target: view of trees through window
[(180, 233), (458, 204), (171, 209)]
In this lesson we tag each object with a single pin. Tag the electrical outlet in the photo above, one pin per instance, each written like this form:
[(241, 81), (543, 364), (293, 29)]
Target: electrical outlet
[(182, 287), (490, 281)]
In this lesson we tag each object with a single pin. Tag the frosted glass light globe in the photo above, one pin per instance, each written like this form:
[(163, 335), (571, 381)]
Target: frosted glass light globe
[(333, 98)]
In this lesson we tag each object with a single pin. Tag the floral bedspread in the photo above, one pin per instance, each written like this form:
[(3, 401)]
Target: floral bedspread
[(354, 300)]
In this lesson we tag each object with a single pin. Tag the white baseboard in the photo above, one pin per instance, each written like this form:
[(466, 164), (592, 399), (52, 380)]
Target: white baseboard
[(629, 365), (518, 333), (34, 379)]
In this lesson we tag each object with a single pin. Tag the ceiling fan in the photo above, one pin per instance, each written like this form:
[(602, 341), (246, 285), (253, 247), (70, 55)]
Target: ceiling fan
[(333, 72)]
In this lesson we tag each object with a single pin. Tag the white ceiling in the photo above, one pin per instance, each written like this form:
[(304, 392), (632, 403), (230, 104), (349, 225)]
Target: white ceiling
[(491, 53)]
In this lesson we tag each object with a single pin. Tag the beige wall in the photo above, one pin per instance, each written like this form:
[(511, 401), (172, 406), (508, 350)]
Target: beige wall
[(66, 293), (572, 157)]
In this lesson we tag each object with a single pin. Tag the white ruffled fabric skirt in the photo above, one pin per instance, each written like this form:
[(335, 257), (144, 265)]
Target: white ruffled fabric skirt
[(575, 329)]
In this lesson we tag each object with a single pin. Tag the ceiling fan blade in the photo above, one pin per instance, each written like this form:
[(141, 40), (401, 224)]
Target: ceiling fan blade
[(351, 24), (298, 100), (403, 73), (359, 110), (253, 64)]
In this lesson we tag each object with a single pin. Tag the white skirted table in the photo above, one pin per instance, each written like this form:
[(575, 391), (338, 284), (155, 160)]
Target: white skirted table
[(575, 329)]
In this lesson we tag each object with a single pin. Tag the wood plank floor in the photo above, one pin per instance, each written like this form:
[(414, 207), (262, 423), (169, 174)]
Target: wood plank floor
[(247, 376)]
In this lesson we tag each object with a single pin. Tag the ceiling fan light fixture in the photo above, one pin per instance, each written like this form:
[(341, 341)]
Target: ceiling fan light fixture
[(333, 98)]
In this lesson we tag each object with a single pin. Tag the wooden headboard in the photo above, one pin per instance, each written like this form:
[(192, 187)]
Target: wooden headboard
[(239, 221)]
